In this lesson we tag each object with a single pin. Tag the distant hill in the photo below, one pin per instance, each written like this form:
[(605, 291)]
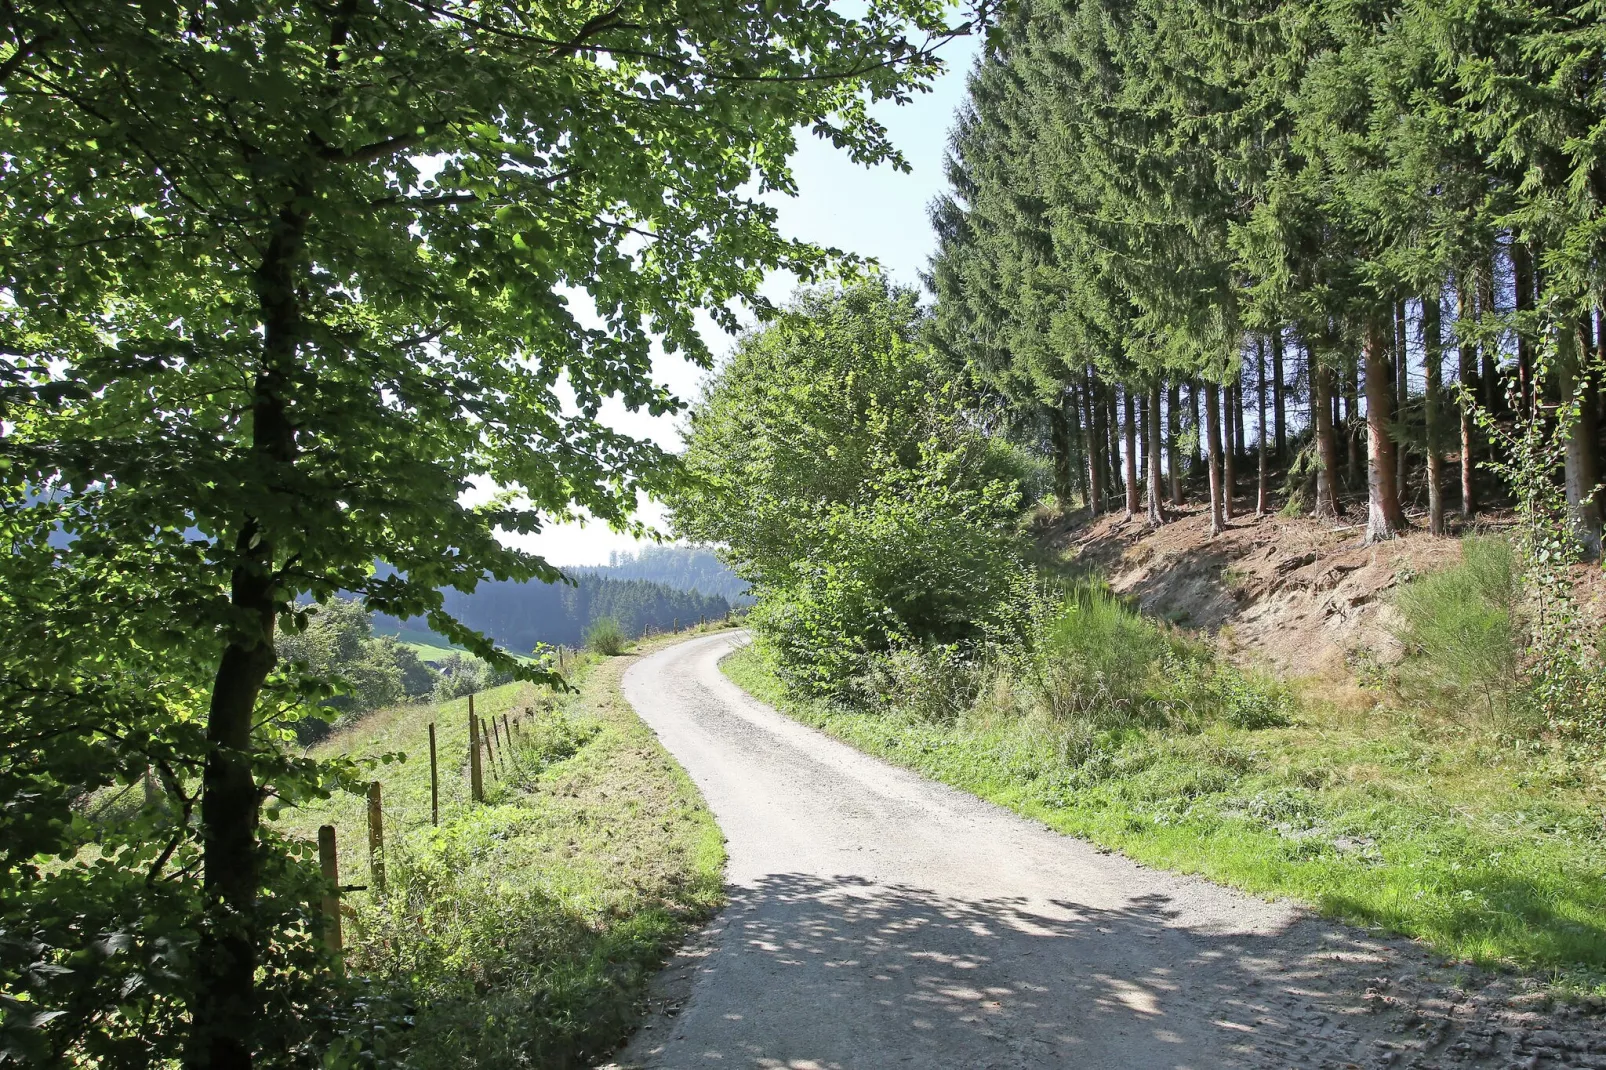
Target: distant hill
[(520, 615), (685, 568)]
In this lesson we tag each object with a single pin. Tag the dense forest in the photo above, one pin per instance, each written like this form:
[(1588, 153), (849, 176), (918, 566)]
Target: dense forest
[(521, 615), (1173, 224), (685, 568)]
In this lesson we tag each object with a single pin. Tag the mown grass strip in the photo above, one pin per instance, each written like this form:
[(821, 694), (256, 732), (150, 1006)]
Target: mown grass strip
[(1489, 855), (521, 932)]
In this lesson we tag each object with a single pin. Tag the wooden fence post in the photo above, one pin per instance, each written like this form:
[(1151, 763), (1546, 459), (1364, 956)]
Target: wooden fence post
[(490, 752), (434, 781), (376, 839), (507, 732), (476, 777), (329, 862)]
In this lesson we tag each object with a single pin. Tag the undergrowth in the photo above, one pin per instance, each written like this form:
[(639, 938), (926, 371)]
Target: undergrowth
[(520, 932), (1122, 731)]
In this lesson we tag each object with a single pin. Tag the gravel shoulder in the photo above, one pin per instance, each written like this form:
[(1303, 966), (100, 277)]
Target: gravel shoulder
[(878, 919)]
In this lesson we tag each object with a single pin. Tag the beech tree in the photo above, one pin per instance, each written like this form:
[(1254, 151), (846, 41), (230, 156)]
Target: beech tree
[(283, 283)]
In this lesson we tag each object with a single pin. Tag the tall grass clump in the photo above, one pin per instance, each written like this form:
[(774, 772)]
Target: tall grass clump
[(1463, 635), (605, 637)]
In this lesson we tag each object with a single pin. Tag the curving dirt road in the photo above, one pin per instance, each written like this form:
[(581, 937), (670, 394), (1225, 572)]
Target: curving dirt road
[(877, 919)]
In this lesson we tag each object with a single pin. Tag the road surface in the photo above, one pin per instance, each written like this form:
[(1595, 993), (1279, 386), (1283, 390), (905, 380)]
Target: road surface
[(877, 919)]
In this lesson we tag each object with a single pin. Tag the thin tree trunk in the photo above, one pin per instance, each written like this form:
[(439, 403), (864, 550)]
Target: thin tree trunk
[(1581, 465), (1157, 514), (1432, 404), (1173, 451), (1384, 517), (1469, 358), (1059, 433), (1326, 506), (1196, 462), (1263, 496), (1133, 502), (1071, 406), (1213, 458), (1493, 394), (1278, 395), (224, 1005), (1523, 288), (1229, 468), (1239, 423), (1096, 439), (1350, 425), (1402, 395), (1117, 487)]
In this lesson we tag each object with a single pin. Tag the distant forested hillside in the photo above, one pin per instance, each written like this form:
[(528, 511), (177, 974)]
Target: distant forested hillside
[(685, 568), (520, 615)]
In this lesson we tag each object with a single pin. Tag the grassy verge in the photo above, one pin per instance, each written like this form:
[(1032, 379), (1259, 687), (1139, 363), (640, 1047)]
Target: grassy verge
[(521, 932), (1490, 851)]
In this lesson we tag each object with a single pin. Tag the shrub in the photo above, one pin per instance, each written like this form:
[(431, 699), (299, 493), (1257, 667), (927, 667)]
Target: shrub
[(1461, 632), (605, 637)]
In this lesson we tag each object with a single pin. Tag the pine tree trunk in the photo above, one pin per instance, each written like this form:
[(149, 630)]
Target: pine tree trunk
[(1096, 439), (1581, 465), (1239, 424), (1133, 501), (224, 1007), (1350, 425), (1402, 395), (1070, 405), (1213, 458), (1059, 433), (1326, 506), (1432, 404), (1173, 451), (1195, 462), (1278, 395), (1117, 487), (1523, 288), (1493, 393), (1263, 494), (1151, 453), (1384, 517), (1469, 358), (1229, 468)]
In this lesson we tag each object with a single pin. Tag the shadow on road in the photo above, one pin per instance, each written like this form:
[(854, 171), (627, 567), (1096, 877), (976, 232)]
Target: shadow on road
[(836, 973)]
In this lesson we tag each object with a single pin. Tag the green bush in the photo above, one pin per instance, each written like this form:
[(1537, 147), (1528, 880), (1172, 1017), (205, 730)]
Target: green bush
[(1462, 633), (605, 637)]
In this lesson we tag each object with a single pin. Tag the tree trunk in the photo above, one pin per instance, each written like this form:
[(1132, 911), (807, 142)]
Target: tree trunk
[(1384, 517), (1493, 393), (1213, 459), (1326, 506), (1059, 433), (1263, 495), (224, 1004), (1131, 427), (1151, 453), (1117, 488), (1096, 438), (1350, 425), (1469, 358), (1229, 467), (1432, 367), (1196, 462), (1072, 408), (1239, 437), (1581, 469), (1173, 451), (1523, 287), (1279, 400), (1402, 395)]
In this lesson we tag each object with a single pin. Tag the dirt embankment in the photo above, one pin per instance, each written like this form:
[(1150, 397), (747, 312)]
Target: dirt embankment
[(1300, 594)]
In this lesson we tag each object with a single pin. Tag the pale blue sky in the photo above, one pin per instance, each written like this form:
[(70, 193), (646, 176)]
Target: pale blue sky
[(879, 213)]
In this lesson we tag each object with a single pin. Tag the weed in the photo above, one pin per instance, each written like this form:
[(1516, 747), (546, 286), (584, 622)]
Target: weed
[(605, 637)]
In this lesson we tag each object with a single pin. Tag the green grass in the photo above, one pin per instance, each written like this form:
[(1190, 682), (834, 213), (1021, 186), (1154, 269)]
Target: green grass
[(1492, 852), (521, 932)]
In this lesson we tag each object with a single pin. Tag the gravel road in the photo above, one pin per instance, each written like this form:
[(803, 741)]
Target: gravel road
[(877, 919)]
